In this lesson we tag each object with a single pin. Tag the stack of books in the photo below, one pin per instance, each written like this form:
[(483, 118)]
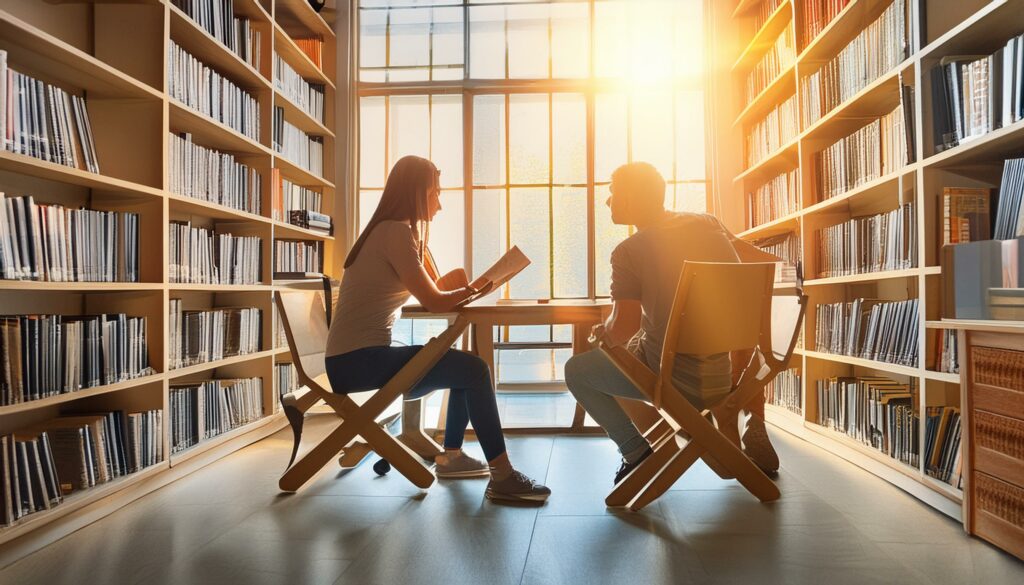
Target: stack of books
[(203, 410), (876, 411), (869, 329), (785, 391), (975, 94), (210, 175), (777, 129), (199, 256), (297, 146), (309, 97), (887, 241), (947, 351), (779, 57), (942, 433), (47, 355), (58, 244), (311, 220), (877, 149), (194, 84), (43, 121), (286, 197), (217, 18), (291, 256), (198, 337), (776, 198), (817, 14)]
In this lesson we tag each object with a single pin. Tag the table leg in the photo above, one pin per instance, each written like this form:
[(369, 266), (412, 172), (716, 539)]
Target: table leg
[(483, 345), (412, 435), (580, 344)]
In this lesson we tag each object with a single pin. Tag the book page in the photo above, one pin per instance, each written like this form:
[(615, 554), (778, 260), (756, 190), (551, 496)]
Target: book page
[(502, 271)]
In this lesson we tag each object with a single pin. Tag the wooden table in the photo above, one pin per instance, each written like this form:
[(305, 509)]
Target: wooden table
[(486, 314)]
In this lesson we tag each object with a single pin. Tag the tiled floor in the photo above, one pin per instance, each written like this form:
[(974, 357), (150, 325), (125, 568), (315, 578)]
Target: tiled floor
[(228, 524)]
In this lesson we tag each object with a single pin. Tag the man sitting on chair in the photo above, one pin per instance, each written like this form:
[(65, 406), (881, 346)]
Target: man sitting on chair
[(645, 271)]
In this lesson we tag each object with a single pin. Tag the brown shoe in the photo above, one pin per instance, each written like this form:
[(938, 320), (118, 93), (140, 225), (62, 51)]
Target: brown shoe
[(461, 466), (758, 446), (517, 488)]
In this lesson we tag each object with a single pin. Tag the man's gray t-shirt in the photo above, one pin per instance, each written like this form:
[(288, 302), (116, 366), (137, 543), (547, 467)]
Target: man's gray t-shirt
[(646, 268)]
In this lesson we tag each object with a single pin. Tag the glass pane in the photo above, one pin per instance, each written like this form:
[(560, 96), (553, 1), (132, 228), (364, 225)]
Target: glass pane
[(607, 236), (448, 231), (690, 135), (489, 140), (424, 329), (372, 38), (448, 73), (447, 37), (410, 74), (689, 40), (489, 234), (446, 138), (401, 332), (691, 197), (529, 334), (487, 42), (561, 356), (368, 201), (409, 37), (373, 75), (529, 229), (570, 45), (609, 135), (525, 365), (611, 48), (561, 333), (409, 131), (652, 130), (371, 142), (528, 139), (570, 253), (528, 42), (650, 41), (569, 134)]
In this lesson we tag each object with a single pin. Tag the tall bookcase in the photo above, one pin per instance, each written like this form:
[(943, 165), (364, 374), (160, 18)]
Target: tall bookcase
[(116, 55), (937, 28)]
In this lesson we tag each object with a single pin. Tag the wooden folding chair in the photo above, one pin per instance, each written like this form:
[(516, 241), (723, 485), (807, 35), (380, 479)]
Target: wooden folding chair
[(305, 323), (717, 308)]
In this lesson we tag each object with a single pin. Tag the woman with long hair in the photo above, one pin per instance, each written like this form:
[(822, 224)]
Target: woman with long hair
[(388, 262)]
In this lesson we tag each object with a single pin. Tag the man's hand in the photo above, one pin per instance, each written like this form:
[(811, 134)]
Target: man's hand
[(596, 334)]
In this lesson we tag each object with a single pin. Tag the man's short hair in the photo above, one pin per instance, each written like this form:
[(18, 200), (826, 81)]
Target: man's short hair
[(644, 185)]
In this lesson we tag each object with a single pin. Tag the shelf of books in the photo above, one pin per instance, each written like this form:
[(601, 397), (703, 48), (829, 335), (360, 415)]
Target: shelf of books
[(875, 132), (143, 218)]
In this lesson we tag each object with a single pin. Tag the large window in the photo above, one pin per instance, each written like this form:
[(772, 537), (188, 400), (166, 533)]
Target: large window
[(527, 107)]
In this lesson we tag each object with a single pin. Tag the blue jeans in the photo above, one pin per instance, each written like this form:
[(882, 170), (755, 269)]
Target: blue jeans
[(595, 382), (471, 397)]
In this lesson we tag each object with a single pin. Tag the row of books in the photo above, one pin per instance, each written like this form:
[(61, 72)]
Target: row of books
[(210, 175), (815, 16), (876, 411), (287, 196), (942, 434), (312, 47), (193, 83), (201, 336), (765, 10), (786, 246), (297, 146), (217, 17), (887, 241), (298, 256), (47, 461), (199, 256), (975, 94), (876, 149), (44, 121), (779, 57), (60, 244), (1010, 212), (869, 329), (947, 351), (287, 378), (875, 51), (785, 391), (309, 97), (965, 215), (203, 410), (47, 355), (773, 199), (778, 128)]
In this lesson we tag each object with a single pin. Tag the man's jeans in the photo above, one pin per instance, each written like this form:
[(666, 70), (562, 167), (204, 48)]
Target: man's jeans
[(594, 380)]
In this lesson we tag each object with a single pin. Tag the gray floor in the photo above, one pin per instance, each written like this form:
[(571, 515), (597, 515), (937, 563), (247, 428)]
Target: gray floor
[(227, 524)]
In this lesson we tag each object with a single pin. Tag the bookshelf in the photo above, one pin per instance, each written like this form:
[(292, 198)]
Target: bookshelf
[(115, 55), (936, 29)]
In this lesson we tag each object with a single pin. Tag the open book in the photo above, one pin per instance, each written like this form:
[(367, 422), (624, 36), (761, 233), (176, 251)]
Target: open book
[(502, 271)]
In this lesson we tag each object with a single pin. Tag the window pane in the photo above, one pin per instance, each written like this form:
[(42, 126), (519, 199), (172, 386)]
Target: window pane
[(525, 365), (528, 41), (446, 138), (489, 234), (373, 38), (409, 131), (528, 139), (650, 41), (652, 130), (371, 142), (529, 229), (607, 236), (489, 140), (570, 254), (611, 48), (570, 43), (487, 42), (529, 333), (689, 41), (368, 201), (690, 135), (561, 333), (447, 36), (609, 135), (447, 232), (409, 37), (569, 135)]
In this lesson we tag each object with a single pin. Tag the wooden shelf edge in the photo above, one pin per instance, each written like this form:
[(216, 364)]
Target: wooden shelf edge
[(942, 377), (27, 165), (857, 191), (296, 232), (211, 209), (758, 44), (1009, 136), (864, 277), (309, 17), (755, 103), (312, 125), (79, 394), (207, 445), (242, 143), (872, 364), (769, 161), (83, 287), (990, 326), (771, 226), (173, 375), (182, 286), (238, 66), (298, 60), (304, 176)]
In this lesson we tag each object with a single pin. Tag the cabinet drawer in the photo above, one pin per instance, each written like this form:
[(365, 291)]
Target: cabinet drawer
[(998, 512)]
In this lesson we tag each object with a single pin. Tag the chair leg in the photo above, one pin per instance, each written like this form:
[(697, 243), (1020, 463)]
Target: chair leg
[(296, 418), (412, 435), (627, 489), (313, 461), (403, 459), (353, 454), (676, 467)]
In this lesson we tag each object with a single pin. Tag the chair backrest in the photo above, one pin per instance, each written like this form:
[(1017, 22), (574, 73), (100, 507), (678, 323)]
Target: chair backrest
[(720, 307), (304, 318)]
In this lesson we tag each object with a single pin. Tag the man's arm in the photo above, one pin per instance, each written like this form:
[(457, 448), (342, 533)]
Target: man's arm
[(623, 323)]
